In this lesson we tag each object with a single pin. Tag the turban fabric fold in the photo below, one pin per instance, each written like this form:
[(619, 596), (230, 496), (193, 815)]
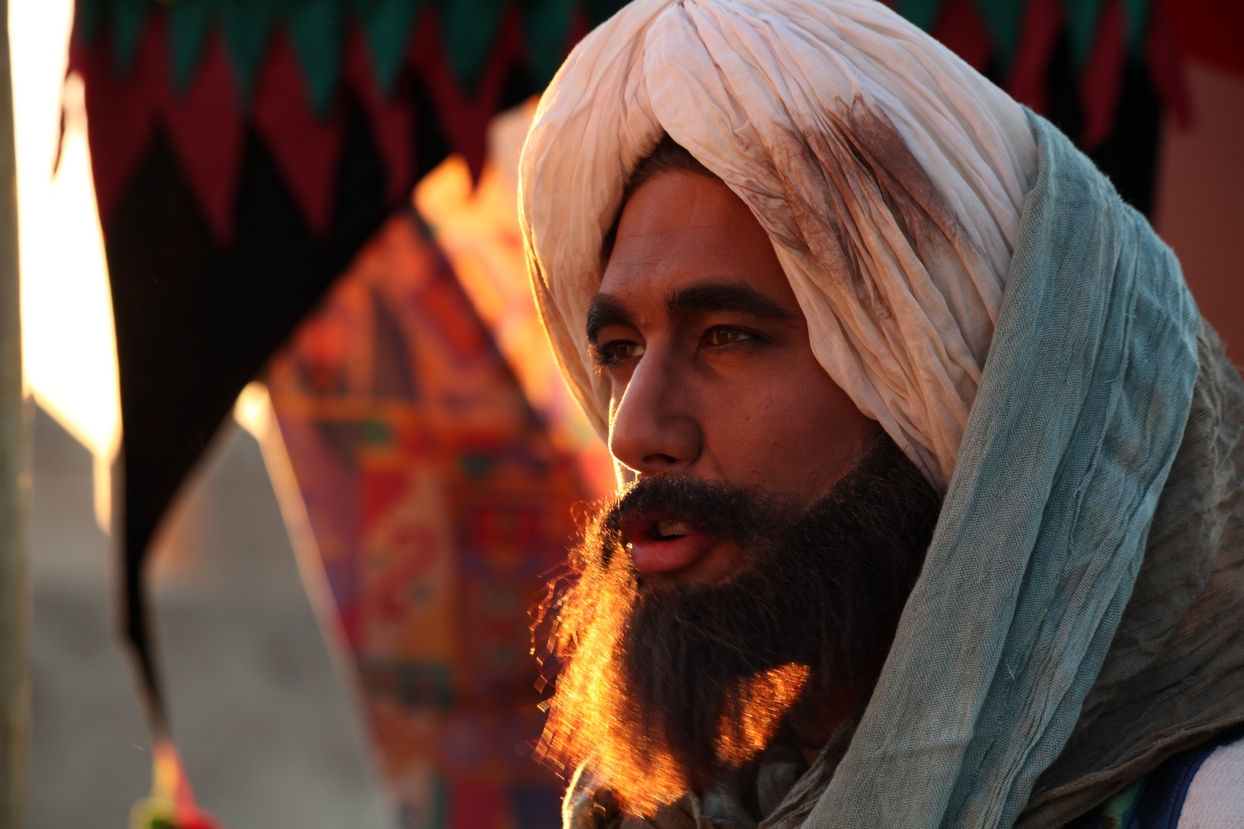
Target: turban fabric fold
[(889, 175)]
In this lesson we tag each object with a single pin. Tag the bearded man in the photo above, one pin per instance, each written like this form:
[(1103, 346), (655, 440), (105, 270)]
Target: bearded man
[(931, 511)]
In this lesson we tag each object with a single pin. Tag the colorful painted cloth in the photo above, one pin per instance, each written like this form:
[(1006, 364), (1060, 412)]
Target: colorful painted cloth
[(476, 226), (437, 505)]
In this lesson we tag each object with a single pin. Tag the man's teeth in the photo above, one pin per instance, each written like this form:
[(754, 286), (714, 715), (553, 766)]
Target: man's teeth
[(672, 529)]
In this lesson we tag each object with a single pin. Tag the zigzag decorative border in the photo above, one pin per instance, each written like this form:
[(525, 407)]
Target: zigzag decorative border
[(202, 70)]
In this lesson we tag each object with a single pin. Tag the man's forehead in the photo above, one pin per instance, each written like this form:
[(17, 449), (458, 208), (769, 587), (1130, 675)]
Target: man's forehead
[(687, 244)]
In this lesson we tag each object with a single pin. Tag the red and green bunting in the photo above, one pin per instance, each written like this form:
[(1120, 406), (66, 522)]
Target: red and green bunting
[(1014, 40), (203, 71), (318, 30), (1003, 22)]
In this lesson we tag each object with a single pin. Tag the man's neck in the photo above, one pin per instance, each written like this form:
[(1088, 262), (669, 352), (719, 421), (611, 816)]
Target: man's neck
[(813, 725), (813, 721)]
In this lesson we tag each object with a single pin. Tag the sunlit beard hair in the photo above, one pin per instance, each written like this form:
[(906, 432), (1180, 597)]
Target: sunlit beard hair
[(663, 684)]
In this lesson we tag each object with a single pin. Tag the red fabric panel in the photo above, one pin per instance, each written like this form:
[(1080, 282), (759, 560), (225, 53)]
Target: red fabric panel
[(392, 121), (1102, 77), (202, 124), (1210, 31), (1165, 60), (207, 133), (465, 117), (1043, 20), (121, 112), (959, 27), (306, 149), (477, 806)]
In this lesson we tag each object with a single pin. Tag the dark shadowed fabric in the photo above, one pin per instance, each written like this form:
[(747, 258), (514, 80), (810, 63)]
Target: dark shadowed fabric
[(1174, 675), (195, 322)]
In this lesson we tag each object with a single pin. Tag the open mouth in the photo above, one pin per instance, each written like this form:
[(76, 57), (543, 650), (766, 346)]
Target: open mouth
[(663, 530), (647, 529), (661, 545)]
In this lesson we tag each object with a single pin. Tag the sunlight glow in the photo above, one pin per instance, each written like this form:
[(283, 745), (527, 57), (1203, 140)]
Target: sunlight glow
[(253, 410), (68, 348)]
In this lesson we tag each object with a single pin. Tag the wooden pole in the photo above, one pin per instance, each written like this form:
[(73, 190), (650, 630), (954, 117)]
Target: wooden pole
[(14, 479)]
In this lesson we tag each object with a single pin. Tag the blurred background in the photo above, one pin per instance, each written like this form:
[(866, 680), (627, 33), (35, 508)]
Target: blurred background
[(273, 243)]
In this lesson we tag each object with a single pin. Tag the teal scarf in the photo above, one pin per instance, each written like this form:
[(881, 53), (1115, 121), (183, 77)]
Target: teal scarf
[(1081, 409)]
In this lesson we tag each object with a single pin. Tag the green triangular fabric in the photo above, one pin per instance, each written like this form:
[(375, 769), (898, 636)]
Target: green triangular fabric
[(189, 22), (921, 12), (1003, 18), (388, 25), (1136, 13), (317, 28), (86, 17), (545, 24), (129, 19), (247, 25), (469, 28), (1082, 17), (601, 10)]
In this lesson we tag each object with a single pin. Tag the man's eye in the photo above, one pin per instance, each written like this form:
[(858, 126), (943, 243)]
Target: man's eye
[(722, 335), (617, 351)]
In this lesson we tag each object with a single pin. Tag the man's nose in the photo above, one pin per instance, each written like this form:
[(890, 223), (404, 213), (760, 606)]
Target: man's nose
[(653, 428)]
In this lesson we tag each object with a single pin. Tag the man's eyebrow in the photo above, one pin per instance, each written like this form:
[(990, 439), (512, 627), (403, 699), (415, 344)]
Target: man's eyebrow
[(605, 310), (723, 296)]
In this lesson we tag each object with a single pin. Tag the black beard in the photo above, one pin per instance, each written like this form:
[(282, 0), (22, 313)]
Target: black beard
[(822, 589)]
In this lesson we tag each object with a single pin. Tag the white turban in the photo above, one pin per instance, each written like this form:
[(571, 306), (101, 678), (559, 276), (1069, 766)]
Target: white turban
[(888, 174)]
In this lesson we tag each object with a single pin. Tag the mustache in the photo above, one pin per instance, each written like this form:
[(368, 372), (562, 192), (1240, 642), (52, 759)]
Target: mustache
[(744, 514)]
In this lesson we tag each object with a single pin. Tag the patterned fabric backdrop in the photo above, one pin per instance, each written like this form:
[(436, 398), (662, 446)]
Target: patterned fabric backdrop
[(475, 223), (437, 502)]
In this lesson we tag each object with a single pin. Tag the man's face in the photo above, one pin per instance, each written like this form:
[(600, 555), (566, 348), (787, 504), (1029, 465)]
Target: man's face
[(753, 573), (713, 377)]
